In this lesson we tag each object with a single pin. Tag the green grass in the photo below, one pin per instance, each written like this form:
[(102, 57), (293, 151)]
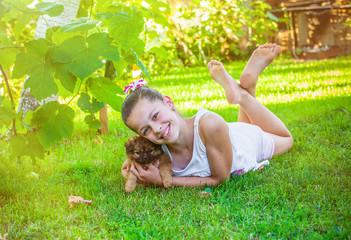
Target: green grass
[(304, 194)]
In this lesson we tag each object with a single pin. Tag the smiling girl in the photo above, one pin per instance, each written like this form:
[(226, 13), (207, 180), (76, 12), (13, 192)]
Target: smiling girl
[(205, 149)]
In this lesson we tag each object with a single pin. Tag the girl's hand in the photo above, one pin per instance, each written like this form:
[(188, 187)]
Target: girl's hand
[(148, 177), (125, 169)]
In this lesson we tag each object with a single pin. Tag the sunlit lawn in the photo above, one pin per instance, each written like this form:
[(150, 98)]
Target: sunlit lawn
[(304, 194)]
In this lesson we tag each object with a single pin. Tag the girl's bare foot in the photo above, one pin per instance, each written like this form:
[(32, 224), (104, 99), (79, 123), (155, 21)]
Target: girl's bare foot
[(258, 61), (231, 87)]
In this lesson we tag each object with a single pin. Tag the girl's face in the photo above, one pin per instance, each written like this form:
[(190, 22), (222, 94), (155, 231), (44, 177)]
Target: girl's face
[(157, 121)]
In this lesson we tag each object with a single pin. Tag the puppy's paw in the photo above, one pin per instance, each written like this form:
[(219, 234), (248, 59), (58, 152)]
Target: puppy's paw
[(129, 189), (167, 183)]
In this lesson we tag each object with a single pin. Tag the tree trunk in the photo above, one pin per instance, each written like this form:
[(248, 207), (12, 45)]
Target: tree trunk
[(27, 101)]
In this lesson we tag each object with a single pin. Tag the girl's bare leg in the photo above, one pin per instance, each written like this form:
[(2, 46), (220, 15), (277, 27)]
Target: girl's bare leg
[(258, 61), (220, 75), (251, 110)]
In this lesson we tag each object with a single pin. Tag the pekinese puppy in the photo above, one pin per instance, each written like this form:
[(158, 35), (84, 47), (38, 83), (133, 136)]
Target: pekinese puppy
[(143, 151)]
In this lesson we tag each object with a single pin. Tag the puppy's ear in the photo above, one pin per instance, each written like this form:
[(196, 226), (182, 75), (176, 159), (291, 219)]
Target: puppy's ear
[(154, 152), (129, 147)]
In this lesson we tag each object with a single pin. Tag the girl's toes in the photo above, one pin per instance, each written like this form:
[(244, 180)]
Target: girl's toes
[(210, 65)]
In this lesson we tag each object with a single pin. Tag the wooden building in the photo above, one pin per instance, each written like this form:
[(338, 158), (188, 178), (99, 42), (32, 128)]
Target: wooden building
[(315, 29)]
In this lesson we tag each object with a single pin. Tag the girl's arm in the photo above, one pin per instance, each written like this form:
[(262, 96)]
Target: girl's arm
[(151, 177), (214, 133), (215, 136)]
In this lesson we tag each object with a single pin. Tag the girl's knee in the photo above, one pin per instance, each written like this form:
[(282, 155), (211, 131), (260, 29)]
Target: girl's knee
[(282, 144)]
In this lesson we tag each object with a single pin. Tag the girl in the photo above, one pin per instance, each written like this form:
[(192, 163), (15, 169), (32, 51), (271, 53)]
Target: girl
[(204, 149)]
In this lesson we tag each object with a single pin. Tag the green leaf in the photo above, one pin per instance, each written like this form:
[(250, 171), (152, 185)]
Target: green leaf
[(7, 113), (142, 66), (36, 50), (110, 71), (84, 102), (101, 44), (79, 24), (20, 67), (84, 56), (41, 81), (138, 46), (21, 23), (96, 106), (3, 9), (7, 55), (120, 66), (82, 60), (27, 119), (30, 146), (34, 147), (56, 36), (125, 28), (106, 91), (18, 146), (160, 52), (69, 49), (55, 121), (92, 122), (67, 79), (39, 69), (85, 105), (272, 16), (50, 8)]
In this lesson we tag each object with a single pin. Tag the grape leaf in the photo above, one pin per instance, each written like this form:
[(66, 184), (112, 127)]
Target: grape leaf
[(96, 106), (120, 66), (272, 16), (102, 45), (39, 69), (85, 105), (106, 91), (50, 8), (30, 146), (79, 24), (20, 67), (21, 23), (37, 49), (67, 79), (18, 145), (142, 66), (55, 121), (7, 113), (92, 122), (3, 9), (85, 64), (34, 148), (7, 55), (160, 52), (125, 28), (41, 81), (69, 49), (84, 102), (84, 56)]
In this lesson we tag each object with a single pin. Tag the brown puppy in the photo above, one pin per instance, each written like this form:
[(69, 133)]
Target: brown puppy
[(143, 151)]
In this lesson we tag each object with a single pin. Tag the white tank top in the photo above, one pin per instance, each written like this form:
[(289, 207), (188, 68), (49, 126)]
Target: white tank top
[(199, 165)]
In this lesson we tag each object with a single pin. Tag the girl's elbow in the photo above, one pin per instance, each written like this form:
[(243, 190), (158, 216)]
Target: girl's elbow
[(219, 180), (290, 143)]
